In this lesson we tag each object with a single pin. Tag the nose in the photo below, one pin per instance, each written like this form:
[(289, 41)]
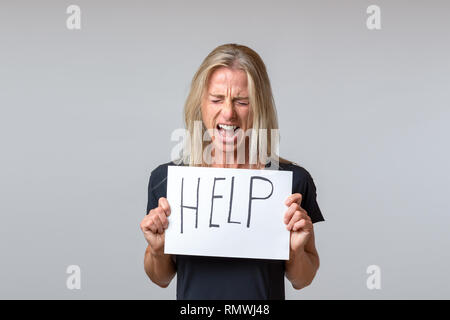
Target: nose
[(228, 111)]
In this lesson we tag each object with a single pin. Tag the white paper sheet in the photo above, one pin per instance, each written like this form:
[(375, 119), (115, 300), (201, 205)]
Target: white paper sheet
[(195, 229)]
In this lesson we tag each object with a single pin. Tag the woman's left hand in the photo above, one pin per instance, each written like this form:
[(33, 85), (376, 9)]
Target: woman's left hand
[(298, 222)]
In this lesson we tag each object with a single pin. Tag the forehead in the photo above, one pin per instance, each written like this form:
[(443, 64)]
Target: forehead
[(224, 79)]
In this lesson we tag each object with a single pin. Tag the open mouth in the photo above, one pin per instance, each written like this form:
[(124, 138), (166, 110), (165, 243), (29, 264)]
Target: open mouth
[(227, 132)]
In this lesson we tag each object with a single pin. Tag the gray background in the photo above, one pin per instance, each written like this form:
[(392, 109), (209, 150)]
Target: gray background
[(86, 115)]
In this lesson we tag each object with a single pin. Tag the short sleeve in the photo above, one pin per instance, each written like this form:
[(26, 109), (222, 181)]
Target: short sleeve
[(310, 202), (157, 186), (303, 183), (152, 202)]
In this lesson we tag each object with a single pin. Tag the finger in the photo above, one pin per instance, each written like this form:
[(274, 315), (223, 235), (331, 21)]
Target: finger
[(302, 224), (290, 212), (299, 225), (294, 198), (303, 214), (153, 228), (296, 217), (164, 204), (157, 211), (148, 225), (163, 218), (158, 223)]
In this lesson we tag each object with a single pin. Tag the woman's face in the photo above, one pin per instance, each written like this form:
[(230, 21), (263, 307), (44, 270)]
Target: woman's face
[(226, 108)]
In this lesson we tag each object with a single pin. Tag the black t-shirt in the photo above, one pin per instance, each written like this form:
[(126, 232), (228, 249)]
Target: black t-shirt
[(200, 277)]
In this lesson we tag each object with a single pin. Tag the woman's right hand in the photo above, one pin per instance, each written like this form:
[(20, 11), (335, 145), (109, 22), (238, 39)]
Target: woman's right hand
[(154, 224)]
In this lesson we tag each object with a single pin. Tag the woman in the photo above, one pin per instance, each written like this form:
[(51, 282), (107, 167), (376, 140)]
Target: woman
[(230, 95)]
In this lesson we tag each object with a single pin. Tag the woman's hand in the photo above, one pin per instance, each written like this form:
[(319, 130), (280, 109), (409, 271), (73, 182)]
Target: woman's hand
[(298, 222), (154, 224)]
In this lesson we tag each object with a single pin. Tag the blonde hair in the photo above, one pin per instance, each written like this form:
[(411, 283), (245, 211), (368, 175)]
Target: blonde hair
[(260, 98)]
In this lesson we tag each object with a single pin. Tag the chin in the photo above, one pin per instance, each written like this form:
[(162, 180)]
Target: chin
[(230, 149)]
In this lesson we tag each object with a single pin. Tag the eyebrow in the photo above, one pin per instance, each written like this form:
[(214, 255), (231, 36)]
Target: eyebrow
[(221, 96)]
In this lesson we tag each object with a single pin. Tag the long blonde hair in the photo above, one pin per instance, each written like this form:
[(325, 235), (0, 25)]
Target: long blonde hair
[(260, 98)]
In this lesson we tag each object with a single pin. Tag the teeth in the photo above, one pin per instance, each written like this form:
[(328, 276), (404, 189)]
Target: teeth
[(227, 127)]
